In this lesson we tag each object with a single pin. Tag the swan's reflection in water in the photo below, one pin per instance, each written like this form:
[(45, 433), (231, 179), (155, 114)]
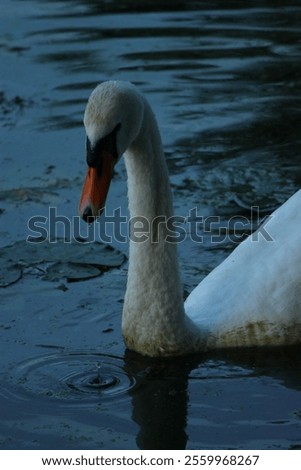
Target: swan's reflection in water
[(237, 405), (160, 403)]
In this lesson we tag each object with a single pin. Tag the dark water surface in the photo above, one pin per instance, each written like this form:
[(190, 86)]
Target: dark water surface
[(224, 80)]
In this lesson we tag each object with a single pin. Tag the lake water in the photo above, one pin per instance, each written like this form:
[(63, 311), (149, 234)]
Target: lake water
[(224, 80)]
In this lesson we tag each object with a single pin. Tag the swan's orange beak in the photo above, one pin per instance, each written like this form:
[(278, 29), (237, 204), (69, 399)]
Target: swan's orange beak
[(96, 187)]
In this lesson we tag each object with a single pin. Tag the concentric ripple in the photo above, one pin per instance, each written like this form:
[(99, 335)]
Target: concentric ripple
[(73, 378)]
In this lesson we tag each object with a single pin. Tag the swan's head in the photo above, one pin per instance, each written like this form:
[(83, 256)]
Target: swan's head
[(112, 120)]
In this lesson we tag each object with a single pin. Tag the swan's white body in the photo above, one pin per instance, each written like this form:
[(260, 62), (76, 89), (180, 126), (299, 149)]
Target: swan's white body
[(252, 299)]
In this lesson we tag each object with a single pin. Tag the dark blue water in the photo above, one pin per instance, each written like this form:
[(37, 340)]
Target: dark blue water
[(224, 81)]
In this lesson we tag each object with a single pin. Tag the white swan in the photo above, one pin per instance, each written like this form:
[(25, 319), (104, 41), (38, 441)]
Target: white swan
[(252, 299)]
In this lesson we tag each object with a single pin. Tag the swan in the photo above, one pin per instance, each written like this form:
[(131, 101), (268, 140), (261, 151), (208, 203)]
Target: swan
[(251, 299)]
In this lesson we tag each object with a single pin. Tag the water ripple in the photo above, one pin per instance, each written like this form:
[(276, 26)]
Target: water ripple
[(73, 378)]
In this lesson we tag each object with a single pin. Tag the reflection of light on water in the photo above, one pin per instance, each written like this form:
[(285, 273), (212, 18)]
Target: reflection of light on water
[(76, 378), (218, 369)]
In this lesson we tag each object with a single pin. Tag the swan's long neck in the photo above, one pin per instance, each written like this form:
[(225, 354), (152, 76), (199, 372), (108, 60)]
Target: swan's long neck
[(154, 321)]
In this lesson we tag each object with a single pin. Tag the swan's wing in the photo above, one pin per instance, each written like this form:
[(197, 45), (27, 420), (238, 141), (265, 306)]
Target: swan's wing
[(254, 296)]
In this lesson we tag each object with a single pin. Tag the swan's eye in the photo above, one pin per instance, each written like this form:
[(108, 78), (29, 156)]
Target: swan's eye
[(104, 145), (90, 153)]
